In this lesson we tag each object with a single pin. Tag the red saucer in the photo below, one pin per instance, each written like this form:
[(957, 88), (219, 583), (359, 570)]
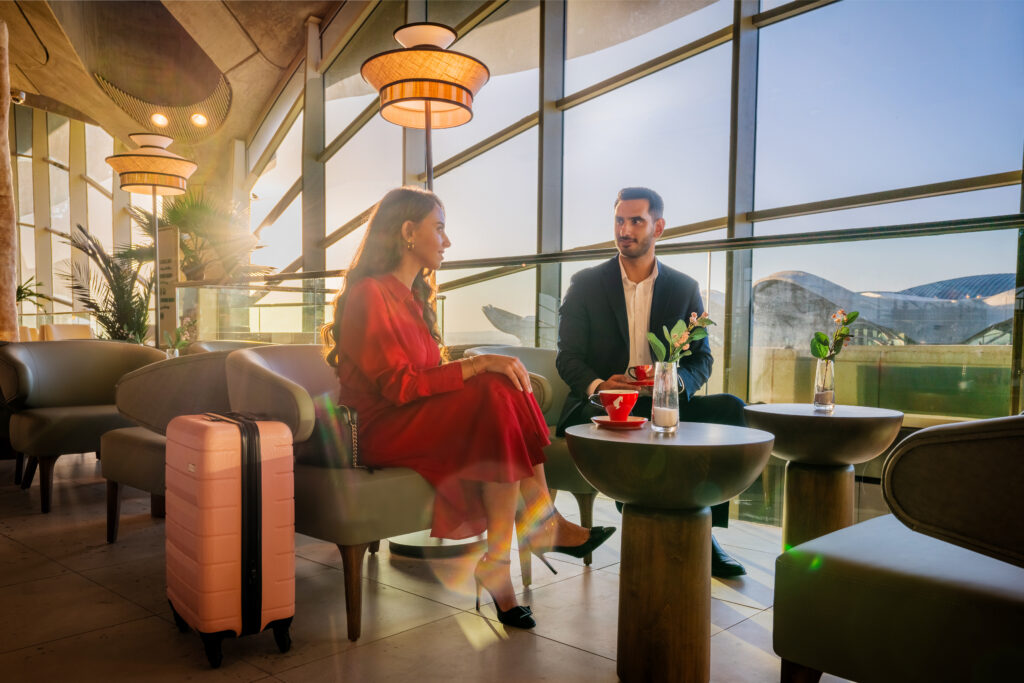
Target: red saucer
[(631, 422), (643, 383)]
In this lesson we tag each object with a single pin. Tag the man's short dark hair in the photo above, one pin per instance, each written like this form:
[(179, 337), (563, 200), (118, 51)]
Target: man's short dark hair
[(655, 204)]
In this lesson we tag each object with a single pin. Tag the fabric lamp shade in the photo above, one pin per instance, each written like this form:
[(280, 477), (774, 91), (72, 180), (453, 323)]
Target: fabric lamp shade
[(424, 71), (152, 167)]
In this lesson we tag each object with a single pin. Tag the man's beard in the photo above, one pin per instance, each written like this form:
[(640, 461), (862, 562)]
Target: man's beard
[(635, 249)]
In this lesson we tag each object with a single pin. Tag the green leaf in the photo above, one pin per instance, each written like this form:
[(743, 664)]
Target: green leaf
[(657, 347), (838, 347), (851, 316), (844, 332), (698, 334), (668, 337), (819, 345), (678, 328), (821, 338)]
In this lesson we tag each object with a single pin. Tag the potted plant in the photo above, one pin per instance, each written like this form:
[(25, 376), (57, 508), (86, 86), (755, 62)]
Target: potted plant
[(825, 349)]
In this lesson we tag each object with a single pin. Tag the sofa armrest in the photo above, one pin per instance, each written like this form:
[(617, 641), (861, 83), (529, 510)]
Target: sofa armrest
[(541, 391), (155, 394), (961, 483), (255, 389)]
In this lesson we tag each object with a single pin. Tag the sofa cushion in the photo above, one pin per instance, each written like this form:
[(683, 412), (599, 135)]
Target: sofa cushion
[(69, 429), (859, 601), (351, 506), (134, 456)]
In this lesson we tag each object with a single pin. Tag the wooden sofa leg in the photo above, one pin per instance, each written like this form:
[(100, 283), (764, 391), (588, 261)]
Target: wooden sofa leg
[(157, 506), (19, 468), (46, 463), (375, 547), (113, 510), (352, 567), (585, 501), (798, 673), (30, 472)]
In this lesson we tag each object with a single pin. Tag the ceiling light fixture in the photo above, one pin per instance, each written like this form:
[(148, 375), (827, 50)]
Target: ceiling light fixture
[(159, 120), (199, 120), (423, 84)]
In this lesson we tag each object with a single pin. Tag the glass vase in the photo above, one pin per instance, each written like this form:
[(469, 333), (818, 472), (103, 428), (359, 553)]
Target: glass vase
[(825, 386), (665, 398), (171, 352)]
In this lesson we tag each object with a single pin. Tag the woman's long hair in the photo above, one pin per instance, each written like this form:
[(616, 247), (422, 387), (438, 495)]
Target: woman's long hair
[(381, 252)]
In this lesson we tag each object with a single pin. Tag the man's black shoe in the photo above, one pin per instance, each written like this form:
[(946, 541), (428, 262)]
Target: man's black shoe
[(722, 565)]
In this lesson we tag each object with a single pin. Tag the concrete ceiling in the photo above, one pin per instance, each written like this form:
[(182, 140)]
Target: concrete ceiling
[(173, 55)]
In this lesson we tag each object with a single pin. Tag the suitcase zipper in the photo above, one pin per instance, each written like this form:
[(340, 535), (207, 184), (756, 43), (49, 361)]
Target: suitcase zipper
[(252, 550)]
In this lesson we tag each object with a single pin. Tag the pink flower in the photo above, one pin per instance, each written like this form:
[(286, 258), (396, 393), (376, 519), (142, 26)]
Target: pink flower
[(693, 318)]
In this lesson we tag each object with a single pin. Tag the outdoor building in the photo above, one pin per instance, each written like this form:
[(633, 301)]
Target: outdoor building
[(813, 155)]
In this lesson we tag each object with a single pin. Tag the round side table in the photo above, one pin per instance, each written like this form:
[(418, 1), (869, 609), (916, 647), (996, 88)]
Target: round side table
[(821, 449), (667, 482)]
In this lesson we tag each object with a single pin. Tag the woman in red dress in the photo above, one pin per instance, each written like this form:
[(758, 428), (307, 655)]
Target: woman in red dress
[(472, 428)]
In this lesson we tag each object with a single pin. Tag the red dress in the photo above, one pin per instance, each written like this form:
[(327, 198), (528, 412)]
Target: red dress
[(416, 413)]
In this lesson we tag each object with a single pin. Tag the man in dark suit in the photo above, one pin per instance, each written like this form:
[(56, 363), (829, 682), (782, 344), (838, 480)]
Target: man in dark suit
[(604, 320)]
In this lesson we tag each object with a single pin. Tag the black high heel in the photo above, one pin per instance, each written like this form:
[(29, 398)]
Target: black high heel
[(598, 535), (520, 616)]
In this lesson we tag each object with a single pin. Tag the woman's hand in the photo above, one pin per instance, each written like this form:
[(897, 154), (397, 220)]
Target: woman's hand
[(512, 368)]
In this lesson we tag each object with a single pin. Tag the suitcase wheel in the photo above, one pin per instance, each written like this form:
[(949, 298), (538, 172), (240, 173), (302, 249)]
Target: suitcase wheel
[(282, 637), (178, 621), (212, 645)]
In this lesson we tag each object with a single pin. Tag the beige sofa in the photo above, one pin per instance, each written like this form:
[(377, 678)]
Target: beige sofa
[(61, 394), (933, 592), (151, 397)]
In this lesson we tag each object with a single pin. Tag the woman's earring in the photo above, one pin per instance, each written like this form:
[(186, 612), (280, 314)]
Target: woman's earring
[(410, 245)]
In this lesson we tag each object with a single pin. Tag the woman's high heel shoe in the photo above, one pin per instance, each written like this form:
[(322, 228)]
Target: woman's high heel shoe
[(598, 535), (519, 616)]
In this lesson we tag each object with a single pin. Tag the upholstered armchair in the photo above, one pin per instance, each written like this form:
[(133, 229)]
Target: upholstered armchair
[(61, 395), (559, 469), (151, 397), (350, 507), (932, 592)]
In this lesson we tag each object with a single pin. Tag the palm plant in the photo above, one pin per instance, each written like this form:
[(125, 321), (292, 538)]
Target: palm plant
[(210, 235), (113, 290), (29, 291)]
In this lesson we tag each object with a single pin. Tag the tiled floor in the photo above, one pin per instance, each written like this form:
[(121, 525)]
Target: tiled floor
[(73, 608)]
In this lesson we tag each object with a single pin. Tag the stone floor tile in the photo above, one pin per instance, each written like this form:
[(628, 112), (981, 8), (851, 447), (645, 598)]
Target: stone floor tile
[(462, 647), (19, 563), (39, 611)]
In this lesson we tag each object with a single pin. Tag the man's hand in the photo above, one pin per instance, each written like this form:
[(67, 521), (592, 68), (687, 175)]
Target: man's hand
[(615, 382)]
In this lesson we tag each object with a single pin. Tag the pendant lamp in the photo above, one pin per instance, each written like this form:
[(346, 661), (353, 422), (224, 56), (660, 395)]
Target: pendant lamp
[(423, 84), (152, 169)]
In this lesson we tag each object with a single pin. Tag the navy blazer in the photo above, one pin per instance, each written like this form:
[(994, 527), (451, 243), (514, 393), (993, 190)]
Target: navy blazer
[(593, 330)]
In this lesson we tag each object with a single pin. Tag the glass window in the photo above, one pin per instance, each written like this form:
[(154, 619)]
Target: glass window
[(859, 97), (508, 43), (27, 250), (281, 242), (605, 38), (98, 146), (933, 335), (491, 202), (668, 131), (26, 209), (60, 221), (357, 177), (995, 202), (345, 92), (23, 129), (280, 174), (59, 134), (499, 311), (101, 223)]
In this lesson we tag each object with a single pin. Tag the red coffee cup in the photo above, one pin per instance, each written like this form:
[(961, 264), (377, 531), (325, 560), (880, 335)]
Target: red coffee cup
[(617, 402), (641, 373)]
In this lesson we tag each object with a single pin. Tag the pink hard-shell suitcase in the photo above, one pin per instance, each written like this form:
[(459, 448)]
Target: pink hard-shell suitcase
[(230, 528)]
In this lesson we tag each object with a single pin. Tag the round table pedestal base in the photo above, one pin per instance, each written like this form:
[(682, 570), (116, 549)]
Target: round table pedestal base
[(420, 544), (665, 595), (818, 501)]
